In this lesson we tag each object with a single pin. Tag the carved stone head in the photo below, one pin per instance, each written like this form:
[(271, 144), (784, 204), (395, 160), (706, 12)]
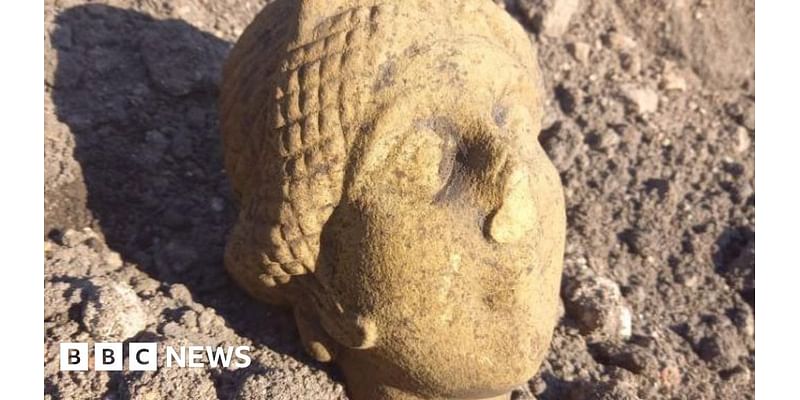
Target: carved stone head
[(393, 192)]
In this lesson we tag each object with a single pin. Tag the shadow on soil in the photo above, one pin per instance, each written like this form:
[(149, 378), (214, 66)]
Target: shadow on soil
[(140, 96)]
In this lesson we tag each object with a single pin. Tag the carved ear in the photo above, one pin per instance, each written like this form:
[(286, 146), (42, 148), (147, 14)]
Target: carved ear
[(316, 341), (350, 329), (322, 333)]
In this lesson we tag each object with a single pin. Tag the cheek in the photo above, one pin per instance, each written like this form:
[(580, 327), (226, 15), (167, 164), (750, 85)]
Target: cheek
[(414, 256), (435, 282)]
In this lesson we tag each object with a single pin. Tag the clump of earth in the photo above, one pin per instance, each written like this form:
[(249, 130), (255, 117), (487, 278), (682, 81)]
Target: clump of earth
[(650, 119)]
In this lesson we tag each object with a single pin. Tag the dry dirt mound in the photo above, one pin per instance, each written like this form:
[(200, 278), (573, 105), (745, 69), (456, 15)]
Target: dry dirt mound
[(650, 122)]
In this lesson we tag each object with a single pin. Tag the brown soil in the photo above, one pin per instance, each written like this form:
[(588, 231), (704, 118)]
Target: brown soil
[(650, 121)]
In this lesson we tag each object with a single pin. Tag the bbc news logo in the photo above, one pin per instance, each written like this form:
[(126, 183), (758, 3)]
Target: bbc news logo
[(143, 356)]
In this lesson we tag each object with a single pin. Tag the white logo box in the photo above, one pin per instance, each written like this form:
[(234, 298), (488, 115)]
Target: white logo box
[(108, 356), (143, 356)]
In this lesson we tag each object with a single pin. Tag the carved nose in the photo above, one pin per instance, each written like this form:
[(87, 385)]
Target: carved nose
[(516, 215)]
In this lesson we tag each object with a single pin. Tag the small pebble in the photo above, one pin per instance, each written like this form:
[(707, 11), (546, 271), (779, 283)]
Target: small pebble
[(673, 81), (580, 51), (643, 99), (597, 305), (618, 41), (742, 139)]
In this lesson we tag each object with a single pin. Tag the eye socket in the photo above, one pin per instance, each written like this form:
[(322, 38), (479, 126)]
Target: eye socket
[(461, 165), (473, 156), (418, 165), (439, 158)]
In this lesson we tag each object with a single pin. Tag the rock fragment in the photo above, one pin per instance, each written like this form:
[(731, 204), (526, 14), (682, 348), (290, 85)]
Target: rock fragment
[(81, 254), (567, 99), (605, 140), (597, 305), (631, 357), (672, 81), (556, 21), (112, 311), (721, 350), (580, 51), (618, 41), (73, 237), (562, 142), (550, 17), (630, 62), (742, 139), (644, 100)]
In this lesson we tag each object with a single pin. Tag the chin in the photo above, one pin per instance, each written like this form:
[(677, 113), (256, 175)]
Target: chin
[(490, 382), (484, 393), (492, 387)]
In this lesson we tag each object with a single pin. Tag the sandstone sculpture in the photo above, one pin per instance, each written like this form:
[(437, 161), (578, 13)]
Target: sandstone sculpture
[(392, 191)]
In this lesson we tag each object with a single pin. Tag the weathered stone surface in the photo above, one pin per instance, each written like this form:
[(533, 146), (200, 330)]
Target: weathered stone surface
[(392, 191)]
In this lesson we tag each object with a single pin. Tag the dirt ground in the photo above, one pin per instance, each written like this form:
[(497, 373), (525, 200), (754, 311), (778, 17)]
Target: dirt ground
[(649, 119)]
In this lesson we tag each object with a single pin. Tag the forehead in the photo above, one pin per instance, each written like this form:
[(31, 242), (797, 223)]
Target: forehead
[(468, 75), (460, 93), (466, 88)]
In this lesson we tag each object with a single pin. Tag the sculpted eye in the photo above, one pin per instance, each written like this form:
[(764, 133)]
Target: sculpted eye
[(420, 164), (439, 161)]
